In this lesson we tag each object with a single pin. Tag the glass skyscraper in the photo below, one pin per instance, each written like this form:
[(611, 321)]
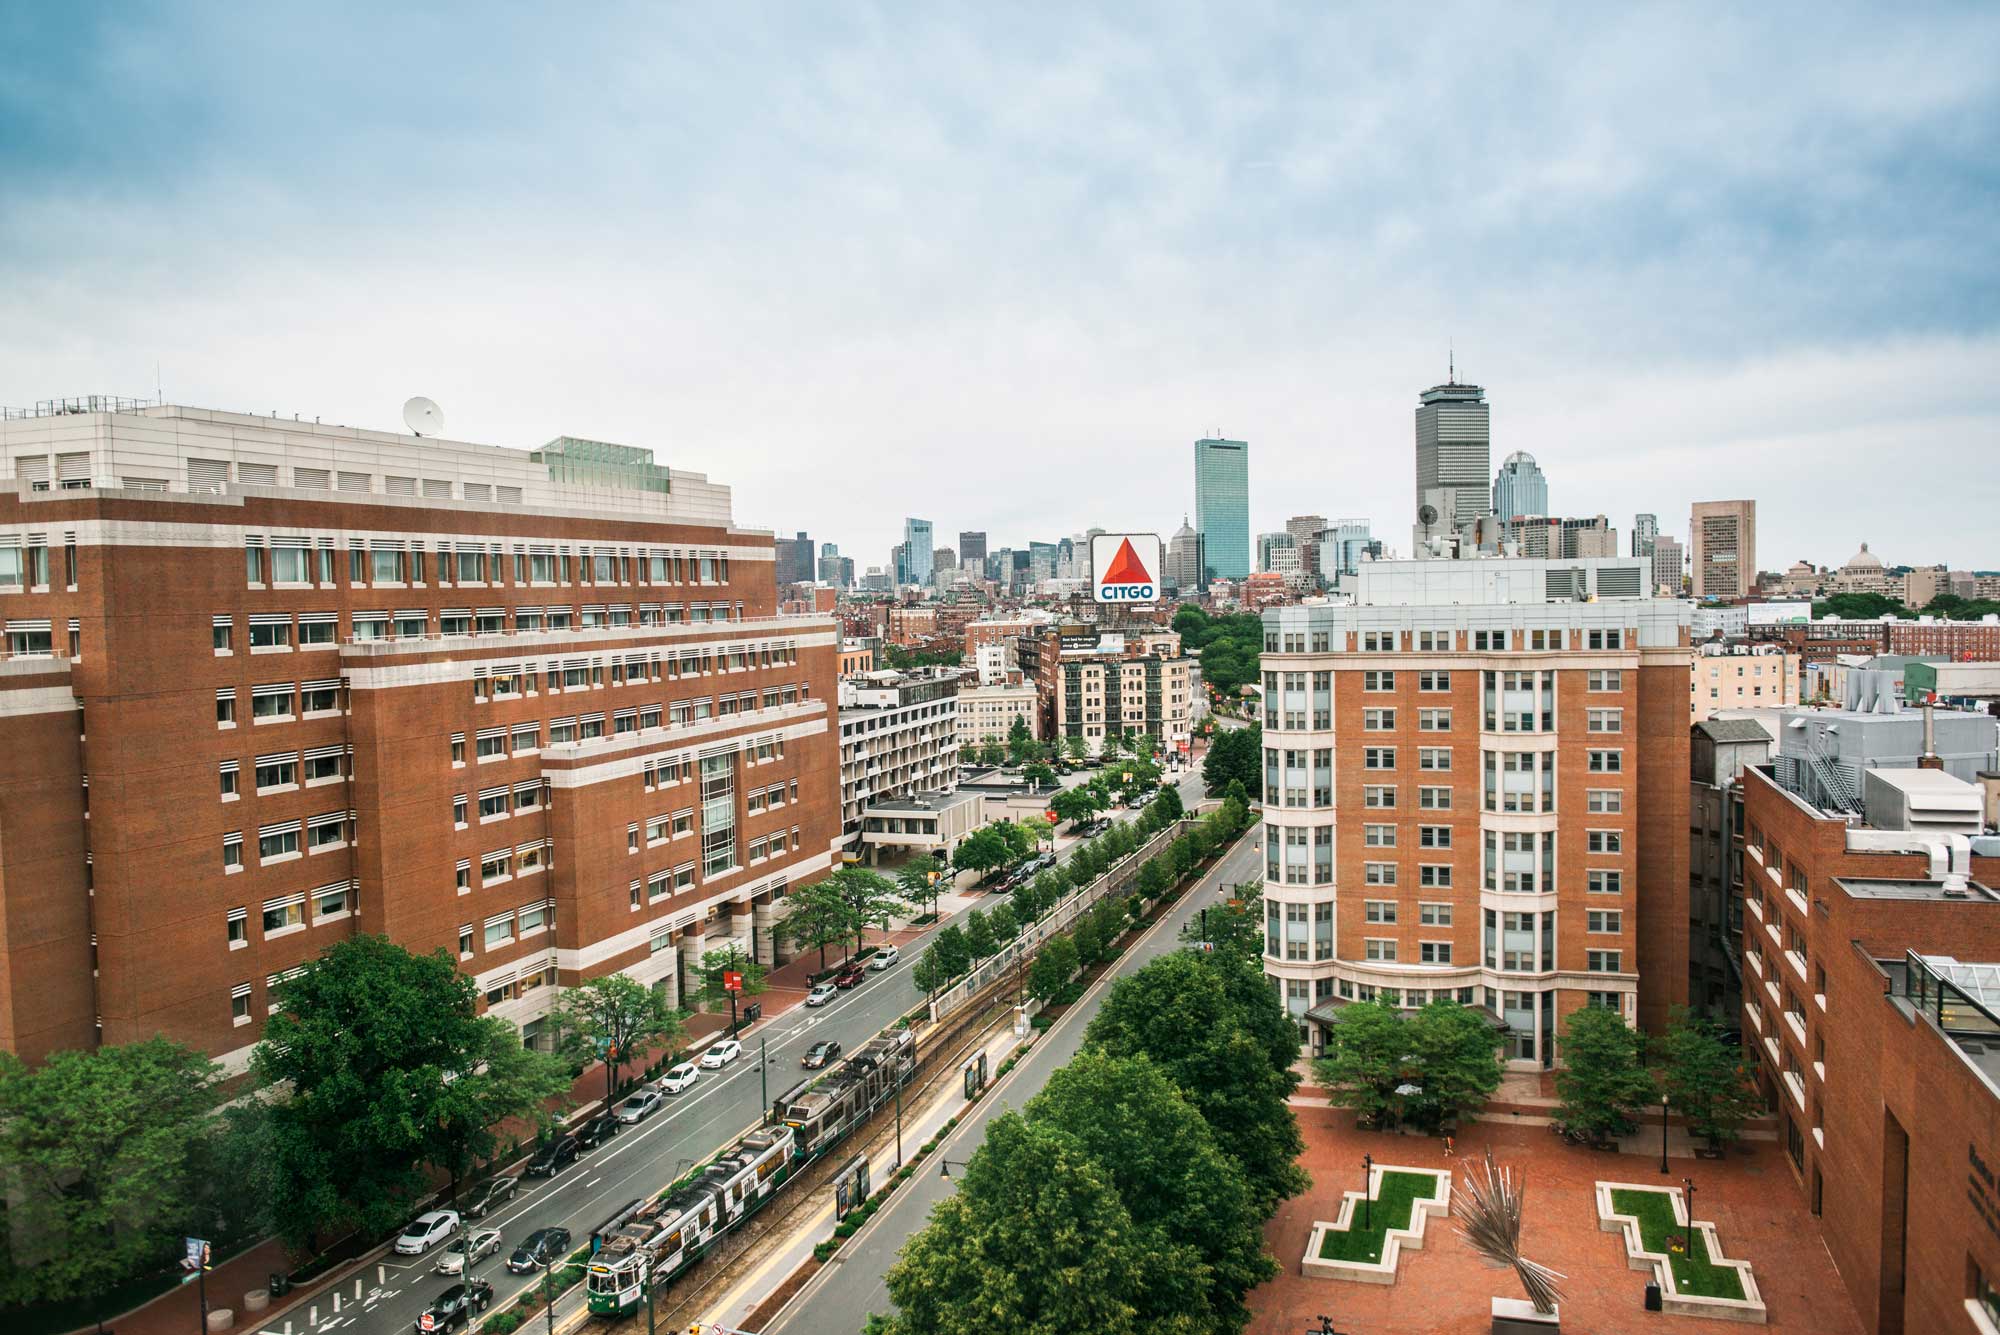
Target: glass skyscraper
[(1520, 488), (917, 550), (1222, 507)]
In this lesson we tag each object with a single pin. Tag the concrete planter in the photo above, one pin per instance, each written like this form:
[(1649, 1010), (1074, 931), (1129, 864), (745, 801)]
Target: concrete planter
[(1412, 1236), (1749, 1308)]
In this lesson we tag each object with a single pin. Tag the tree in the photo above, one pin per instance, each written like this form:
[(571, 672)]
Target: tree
[(922, 879), (1039, 775), (1055, 964), (870, 898), (97, 1150), (1076, 748), (1705, 1078), (1074, 804), (1003, 922), (504, 1078), (1026, 902), (1019, 844), (1364, 1060), (992, 751), (954, 952), (1235, 755), (1154, 880), (1168, 805), (364, 1040), (1203, 1243), (1212, 1023), (1021, 744), (1036, 828), (981, 851), (717, 964), (1859, 607), (929, 971), (1603, 1079), (979, 935), (816, 916), (1455, 1055), (1088, 933), (617, 1014), (1035, 1239)]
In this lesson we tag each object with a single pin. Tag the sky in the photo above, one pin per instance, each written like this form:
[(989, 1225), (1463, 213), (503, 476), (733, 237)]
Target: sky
[(998, 266)]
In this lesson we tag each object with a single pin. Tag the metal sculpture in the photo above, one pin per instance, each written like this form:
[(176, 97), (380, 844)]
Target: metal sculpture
[(1489, 1218)]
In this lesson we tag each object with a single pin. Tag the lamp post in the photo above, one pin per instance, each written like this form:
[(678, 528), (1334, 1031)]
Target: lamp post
[(548, 1286), (946, 1165), (1367, 1178), (1687, 1187), (899, 1126), (1664, 1099)]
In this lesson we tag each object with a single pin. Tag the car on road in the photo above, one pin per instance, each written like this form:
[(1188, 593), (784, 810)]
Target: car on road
[(849, 977), (885, 958), (821, 993), (427, 1231), (468, 1251), (597, 1130), (545, 1246), (454, 1307), (820, 1053), (641, 1106), (553, 1157), (721, 1054), (679, 1077), (491, 1195)]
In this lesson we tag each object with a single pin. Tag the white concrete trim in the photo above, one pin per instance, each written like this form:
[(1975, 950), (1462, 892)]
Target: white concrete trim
[(648, 746), (20, 701), (1749, 1309), (1393, 1241)]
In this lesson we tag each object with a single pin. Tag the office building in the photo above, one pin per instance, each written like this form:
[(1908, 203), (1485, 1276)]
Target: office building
[(1222, 507), (1519, 488), (987, 712), (1724, 545), (1342, 545), (1732, 676), (1669, 560), (835, 569), (1184, 560), (898, 738), (972, 549), (917, 565), (1507, 824), (1454, 458), (1305, 531), (342, 681), (795, 563), (1267, 543), (1720, 750), (1645, 531)]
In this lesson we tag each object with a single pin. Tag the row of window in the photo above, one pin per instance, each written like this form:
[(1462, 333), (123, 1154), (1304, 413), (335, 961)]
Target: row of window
[(287, 914), (503, 929), (283, 771), (404, 563), (283, 701), (1534, 640), (281, 842)]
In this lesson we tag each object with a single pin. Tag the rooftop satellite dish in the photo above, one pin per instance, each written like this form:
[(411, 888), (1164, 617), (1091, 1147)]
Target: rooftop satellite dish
[(423, 417), (1426, 514)]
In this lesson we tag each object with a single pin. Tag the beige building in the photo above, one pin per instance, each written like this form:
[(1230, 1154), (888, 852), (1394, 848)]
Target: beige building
[(990, 711), (1096, 693), (1724, 537), (1742, 676), (1864, 573)]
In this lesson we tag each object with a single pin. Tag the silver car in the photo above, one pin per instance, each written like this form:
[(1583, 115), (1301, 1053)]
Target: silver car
[(468, 1251)]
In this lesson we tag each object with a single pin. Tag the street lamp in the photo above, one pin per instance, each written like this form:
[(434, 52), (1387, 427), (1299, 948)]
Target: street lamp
[(946, 1165), (1664, 1099), (548, 1286), (1687, 1187)]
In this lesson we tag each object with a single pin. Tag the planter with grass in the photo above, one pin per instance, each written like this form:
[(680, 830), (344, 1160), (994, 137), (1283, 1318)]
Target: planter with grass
[(1685, 1259), (1400, 1202)]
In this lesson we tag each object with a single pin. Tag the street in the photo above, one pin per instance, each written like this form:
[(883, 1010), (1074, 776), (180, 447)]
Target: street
[(389, 1296), (842, 1295)]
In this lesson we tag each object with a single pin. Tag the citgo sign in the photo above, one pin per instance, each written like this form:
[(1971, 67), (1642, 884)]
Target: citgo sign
[(1125, 567)]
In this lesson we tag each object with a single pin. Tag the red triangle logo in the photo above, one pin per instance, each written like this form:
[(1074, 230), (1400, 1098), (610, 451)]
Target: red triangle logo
[(1126, 567)]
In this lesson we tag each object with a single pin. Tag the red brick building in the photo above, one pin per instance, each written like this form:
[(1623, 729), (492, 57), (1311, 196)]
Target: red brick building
[(1961, 641), (1871, 984), (271, 684)]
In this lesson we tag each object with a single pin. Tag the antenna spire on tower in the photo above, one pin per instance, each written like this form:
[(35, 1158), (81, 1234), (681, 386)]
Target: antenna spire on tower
[(1451, 363)]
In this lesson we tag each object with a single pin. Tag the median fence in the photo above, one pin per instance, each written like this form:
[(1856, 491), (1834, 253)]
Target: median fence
[(1116, 878)]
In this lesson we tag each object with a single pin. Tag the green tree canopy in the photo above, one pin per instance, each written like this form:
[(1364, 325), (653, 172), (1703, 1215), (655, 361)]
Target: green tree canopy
[(503, 1079), (617, 1015), (1447, 1053), (871, 898), (1705, 1078), (97, 1152), (1074, 804), (1055, 964), (979, 935), (1860, 607), (1603, 1079), (1235, 755), (1039, 774), (981, 851), (954, 951), (1076, 748), (916, 884), (816, 916)]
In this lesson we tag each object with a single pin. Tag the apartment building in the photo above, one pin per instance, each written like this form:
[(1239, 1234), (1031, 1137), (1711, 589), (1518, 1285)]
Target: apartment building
[(1871, 1000), (1092, 692), (269, 684), (1742, 676), (898, 737), (1476, 787), (989, 711)]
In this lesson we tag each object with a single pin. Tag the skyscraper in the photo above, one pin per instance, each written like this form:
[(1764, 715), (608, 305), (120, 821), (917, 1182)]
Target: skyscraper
[(972, 548), (834, 568), (1723, 540), (1667, 554), (1645, 528), (917, 542), (1520, 488), (1342, 544), (1269, 543), (1184, 558), (1222, 506), (1454, 456), (794, 560)]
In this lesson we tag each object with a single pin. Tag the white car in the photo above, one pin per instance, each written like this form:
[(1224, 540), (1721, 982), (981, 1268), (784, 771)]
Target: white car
[(467, 1252), (721, 1054), (821, 994), (641, 1106), (678, 1078), (885, 958), (427, 1231)]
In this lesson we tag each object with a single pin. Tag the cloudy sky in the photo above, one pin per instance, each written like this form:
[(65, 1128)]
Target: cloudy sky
[(999, 265)]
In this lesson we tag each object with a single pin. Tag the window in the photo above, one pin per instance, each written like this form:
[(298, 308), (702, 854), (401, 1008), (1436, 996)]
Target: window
[(1606, 720), (1604, 841), (1378, 720), (526, 737), (533, 919), (225, 709), (1434, 874), (333, 901), (458, 810), (277, 771), (1489, 641), (1603, 961), (465, 941), (318, 629), (1434, 757), (278, 841), (1436, 641), (229, 780), (1378, 873), (1379, 949), (219, 636), (495, 867), (1433, 681), (1378, 757), (1434, 799), (271, 703), (320, 697), (500, 930), (270, 632), (282, 915), (493, 803), (1607, 1001), (1379, 796), (1605, 920), (1604, 639), (1434, 836), (322, 764), (1604, 679), (1434, 952), (239, 1004), (1605, 801), (1379, 910), (232, 852), (1606, 762), (464, 876), (1373, 680), (1378, 836), (492, 743), (1434, 915), (239, 928), (457, 749), (1600, 882), (1433, 720)]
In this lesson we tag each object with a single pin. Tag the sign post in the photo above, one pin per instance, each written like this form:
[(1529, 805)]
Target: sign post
[(196, 1259), (732, 983)]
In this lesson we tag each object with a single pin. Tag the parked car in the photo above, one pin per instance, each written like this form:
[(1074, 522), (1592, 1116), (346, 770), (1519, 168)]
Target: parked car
[(641, 1106), (679, 1077), (849, 977), (468, 1251), (597, 1130), (490, 1195), (885, 958), (427, 1231), (822, 1052), (822, 992), (553, 1157), (455, 1307), (721, 1054), (543, 1246)]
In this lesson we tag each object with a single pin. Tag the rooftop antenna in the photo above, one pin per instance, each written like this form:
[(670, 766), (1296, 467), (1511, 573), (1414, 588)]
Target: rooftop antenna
[(423, 417), (1451, 363)]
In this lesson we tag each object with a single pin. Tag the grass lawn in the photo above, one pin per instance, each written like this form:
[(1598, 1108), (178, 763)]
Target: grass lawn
[(1394, 1199), (1693, 1274)]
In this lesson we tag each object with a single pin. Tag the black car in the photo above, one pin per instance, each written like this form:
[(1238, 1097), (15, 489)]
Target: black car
[(553, 1157), (822, 1052), (545, 1246), (596, 1131), (455, 1307)]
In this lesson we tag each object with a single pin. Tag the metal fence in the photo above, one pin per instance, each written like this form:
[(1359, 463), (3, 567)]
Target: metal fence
[(1115, 879)]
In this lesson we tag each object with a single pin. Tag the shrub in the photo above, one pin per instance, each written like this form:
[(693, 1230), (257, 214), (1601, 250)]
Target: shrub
[(843, 1230), (500, 1323), (821, 1251), (950, 1122)]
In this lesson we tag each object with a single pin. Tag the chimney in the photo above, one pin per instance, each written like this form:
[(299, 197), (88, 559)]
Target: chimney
[(1929, 759)]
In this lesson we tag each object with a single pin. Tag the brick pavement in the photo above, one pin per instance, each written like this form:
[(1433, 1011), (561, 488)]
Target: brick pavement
[(1444, 1289)]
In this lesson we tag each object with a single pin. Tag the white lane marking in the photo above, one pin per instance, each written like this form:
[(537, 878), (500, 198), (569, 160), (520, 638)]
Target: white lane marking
[(357, 1286), (381, 1274), (312, 1317)]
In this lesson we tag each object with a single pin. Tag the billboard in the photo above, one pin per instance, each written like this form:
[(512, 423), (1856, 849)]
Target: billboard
[(1125, 567)]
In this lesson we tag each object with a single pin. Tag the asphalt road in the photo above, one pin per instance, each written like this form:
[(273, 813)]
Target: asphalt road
[(639, 1159), (845, 1292)]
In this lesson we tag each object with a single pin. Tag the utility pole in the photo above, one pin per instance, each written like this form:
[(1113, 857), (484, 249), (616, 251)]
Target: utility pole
[(763, 1080)]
